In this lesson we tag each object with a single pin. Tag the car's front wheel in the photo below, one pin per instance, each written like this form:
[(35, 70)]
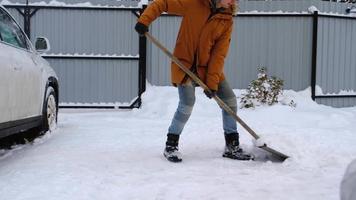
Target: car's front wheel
[(50, 111)]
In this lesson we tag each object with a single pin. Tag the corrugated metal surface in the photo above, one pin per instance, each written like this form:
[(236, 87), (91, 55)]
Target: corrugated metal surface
[(338, 102), (336, 69), (91, 32), (267, 6), (87, 31), (158, 64), (96, 81), (282, 44), (292, 6)]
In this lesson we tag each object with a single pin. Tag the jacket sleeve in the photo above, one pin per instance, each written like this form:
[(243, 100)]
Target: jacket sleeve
[(157, 7), (217, 57)]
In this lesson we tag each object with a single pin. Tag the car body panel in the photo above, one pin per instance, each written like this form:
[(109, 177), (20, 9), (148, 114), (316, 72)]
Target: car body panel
[(6, 72)]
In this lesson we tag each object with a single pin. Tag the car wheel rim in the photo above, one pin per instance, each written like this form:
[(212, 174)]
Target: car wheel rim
[(51, 113)]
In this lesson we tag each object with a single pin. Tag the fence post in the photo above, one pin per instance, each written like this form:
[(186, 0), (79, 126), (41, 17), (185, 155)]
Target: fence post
[(314, 54), (142, 61), (27, 15), (27, 20)]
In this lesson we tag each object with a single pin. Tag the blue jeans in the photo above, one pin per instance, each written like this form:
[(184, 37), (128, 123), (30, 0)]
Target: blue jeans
[(186, 103)]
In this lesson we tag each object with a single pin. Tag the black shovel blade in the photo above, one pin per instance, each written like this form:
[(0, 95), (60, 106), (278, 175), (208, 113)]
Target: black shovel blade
[(276, 154)]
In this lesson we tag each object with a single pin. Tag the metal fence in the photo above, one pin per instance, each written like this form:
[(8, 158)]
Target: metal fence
[(93, 51), (305, 50), (336, 60), (101, 61), (258, 41), (292, 6)]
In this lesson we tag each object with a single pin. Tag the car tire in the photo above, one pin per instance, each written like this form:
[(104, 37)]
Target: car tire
[(50, 111)]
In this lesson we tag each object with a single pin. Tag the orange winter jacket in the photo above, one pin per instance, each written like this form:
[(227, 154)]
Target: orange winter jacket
[(202, 35)]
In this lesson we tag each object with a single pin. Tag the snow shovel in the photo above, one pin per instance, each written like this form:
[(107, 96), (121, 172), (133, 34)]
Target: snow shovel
[(278, 155)]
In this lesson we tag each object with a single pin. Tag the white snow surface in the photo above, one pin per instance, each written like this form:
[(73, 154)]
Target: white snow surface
[(117, 154)]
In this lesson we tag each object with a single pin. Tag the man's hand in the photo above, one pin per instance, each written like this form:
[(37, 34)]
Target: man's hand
[(141, 28), (210, 94)]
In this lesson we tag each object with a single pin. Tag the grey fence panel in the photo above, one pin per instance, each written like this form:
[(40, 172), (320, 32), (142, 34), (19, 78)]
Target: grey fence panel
[(292, 6), (336, 69), (165, 29), (87, 31), (283, 45), (96, 81), (338, 102), (267, 6)]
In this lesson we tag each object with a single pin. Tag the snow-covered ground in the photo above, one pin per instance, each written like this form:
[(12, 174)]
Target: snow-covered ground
[(115, 154)]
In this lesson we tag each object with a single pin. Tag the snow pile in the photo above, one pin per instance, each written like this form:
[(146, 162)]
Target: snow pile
[(142, 2), (343, 92), (5, 2), (313, 9), (260, 142), (51, 3), (319, 91), (117, 154), (348, 183)]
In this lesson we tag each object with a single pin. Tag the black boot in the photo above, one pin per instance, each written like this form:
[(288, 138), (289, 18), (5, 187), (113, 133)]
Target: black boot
[(171, 151), (232, 148)]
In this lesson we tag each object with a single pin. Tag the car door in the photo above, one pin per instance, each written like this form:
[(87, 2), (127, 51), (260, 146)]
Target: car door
[(25, 95), (6, 84)]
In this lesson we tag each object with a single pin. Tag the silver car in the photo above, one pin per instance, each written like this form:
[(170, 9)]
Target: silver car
[(28, 85)]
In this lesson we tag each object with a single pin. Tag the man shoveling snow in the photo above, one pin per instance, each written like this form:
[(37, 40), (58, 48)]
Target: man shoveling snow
[(203, 42)]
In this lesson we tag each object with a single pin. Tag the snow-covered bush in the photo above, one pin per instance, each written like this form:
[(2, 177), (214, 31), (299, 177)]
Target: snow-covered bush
[(263, 90)]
